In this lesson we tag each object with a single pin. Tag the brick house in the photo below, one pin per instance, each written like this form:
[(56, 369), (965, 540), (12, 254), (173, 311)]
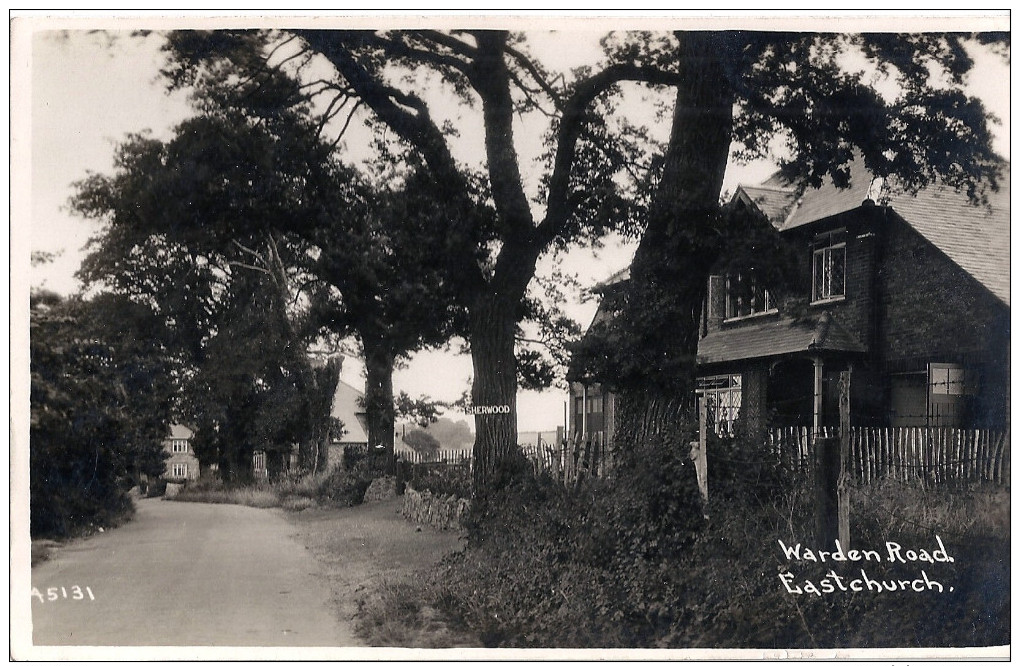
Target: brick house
[(908, 292), (182, 465)]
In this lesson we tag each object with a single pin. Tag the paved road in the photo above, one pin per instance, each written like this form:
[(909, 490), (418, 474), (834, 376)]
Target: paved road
[(188, 574)]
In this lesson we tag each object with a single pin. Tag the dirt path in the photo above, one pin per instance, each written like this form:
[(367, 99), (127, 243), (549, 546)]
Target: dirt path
[(187, 574)]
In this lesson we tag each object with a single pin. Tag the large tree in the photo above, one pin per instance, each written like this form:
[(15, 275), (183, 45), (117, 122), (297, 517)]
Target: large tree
[(204, 229), (732, 90), (381, 276)]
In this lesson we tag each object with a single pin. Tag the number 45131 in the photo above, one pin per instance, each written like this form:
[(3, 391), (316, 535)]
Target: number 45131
[(75, 593)]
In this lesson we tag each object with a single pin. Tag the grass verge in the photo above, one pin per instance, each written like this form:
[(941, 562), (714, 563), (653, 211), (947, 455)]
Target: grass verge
[(376, 564)]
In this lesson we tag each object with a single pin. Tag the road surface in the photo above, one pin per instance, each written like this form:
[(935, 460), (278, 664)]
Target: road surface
[(187, 574)]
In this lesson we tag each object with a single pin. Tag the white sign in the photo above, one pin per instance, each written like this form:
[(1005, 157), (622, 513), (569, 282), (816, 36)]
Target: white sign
[(489, 409)]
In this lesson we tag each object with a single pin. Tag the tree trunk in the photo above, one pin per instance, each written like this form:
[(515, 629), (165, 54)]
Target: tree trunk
[(379, 402), (494, 392), (676, 253)]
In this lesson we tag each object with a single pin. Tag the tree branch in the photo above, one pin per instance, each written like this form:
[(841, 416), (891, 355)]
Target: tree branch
[(248, 251), (343, 130), (449, 41), (558, 205), (493, 85), (536, 73), (241, 264)]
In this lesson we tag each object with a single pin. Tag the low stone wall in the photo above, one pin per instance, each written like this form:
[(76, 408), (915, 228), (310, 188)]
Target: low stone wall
[(442, 511)]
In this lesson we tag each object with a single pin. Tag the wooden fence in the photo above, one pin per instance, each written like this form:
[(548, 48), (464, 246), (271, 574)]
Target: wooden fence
[(938, 455), (573, 462), (448, 456)]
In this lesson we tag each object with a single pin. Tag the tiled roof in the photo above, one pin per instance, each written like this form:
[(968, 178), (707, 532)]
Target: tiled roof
[(776, 337), (179, 431), (348, 407), (619, 276), (774, 202), (976, 238)]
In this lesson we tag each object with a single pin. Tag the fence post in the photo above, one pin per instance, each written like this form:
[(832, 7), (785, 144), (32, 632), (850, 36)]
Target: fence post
[(843, 487), (699, 453), (827, 476)]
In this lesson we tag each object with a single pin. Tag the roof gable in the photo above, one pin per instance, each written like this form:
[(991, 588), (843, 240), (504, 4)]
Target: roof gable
[(774, 203), (180, 431), (976, 238), (348, 406)]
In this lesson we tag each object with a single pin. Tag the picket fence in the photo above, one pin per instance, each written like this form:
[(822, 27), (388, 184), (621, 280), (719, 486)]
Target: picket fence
[(937, 455), (573, 462), (447, 456)]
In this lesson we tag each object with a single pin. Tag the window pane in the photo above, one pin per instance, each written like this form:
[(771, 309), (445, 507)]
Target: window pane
[(838, 271), (819, 268), (954, 380)]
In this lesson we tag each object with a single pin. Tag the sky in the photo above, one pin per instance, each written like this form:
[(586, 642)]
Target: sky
[(89, 91)]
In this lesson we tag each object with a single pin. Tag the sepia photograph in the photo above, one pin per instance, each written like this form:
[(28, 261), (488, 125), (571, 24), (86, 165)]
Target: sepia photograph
[(461, 336)]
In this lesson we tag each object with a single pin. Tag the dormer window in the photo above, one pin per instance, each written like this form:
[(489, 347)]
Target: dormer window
[(828, 266), (745, 297)]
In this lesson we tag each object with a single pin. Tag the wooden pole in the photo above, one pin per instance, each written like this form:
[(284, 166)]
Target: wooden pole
[(699, 453), (843, 485), (816, 420), (826, 491)]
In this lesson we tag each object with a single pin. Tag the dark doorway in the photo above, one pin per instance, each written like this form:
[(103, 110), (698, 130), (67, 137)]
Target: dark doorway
[(789, 396)]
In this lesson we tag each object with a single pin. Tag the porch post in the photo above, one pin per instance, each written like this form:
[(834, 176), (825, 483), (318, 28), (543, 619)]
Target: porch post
[(584, 412), (817, 411)]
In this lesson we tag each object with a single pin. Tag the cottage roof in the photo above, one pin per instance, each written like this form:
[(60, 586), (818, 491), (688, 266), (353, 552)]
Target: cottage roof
[(773, 201), (180, 431), (828, 200), (619, 276), (348, 406), (974, 237), (776, 337)]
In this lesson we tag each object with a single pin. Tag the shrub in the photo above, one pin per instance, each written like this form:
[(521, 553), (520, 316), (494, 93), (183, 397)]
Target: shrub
[(579, 567), (346, 484), (300, 485), (743, 466), (442, 479), (213, 491), (629, 562)]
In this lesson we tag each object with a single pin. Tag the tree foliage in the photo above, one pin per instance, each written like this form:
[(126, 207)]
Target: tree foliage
[(422, 442), (206, 229), (102, 388)]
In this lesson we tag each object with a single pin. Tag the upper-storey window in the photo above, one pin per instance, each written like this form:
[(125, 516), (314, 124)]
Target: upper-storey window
[(828, 265), (745, 297)]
